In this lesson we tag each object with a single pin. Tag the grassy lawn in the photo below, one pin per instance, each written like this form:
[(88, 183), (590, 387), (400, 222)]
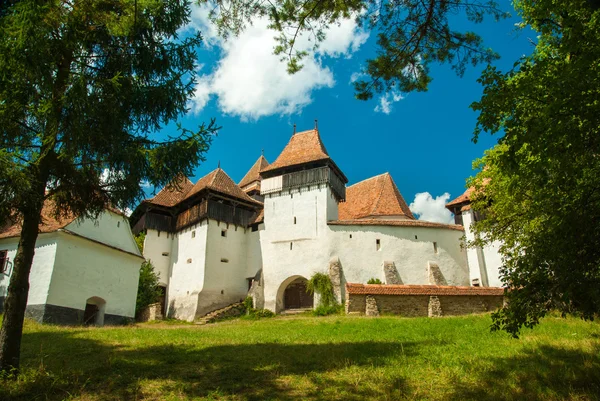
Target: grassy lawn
[(302, 357)]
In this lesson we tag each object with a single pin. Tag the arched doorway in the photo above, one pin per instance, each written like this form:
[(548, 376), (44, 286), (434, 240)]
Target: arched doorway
[(296, 296), (93, 315)]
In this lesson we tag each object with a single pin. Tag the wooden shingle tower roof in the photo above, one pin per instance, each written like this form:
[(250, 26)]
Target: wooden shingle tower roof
[(304, 148)]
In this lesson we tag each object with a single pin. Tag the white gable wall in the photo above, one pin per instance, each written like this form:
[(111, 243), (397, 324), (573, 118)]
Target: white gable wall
[(109, 228), (41, 269), (84, 269)]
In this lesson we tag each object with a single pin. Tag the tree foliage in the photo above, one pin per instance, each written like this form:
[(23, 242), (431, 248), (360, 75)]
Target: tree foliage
[(148, 287), (411, 34), (84, 86), (539, 186)]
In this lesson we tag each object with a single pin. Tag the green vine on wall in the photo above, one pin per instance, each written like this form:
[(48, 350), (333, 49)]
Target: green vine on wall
[(321, 284)]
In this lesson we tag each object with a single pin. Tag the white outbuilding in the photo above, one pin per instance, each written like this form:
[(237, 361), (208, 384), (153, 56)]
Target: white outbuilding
[(84, 271)]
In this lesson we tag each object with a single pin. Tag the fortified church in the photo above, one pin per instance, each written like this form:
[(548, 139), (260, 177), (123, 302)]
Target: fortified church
[(214, 241)]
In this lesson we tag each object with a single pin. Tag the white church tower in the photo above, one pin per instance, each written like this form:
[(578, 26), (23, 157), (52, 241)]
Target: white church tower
[(301, 192)]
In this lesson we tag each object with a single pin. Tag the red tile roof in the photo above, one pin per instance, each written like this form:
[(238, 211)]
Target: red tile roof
[(464, 198), (253, 174), (218, 181), (379, 289), (397, 223), (49, 222), (376, 196), (260, 218), (172, 194), (303, 147)]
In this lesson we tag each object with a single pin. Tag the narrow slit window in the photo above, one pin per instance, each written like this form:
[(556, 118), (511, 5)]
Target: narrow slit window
[(350, 236), (118, 224), (291, 245), (3, 260), (416, 237), (294, 219), (194, 234), (378, 244), (224, 260), (435, 250), (223, 233)]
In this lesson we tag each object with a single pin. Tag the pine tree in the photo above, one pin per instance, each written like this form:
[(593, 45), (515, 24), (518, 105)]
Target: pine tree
[(85, 85)]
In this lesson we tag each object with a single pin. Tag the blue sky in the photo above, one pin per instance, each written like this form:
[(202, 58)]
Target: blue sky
[(424, 140)]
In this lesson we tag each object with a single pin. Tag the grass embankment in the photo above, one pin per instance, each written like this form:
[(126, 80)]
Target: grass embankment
[(293, 358)]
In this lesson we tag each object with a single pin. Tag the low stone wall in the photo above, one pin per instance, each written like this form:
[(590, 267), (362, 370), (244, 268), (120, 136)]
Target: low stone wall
[(150, 313), (413, 301)]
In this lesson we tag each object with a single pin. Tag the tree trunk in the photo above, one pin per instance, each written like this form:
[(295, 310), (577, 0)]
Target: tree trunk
[(18, 289)]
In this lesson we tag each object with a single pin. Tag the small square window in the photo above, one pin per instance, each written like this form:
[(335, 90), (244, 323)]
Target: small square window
[(189, 260), (165, 253), (223, 233), (378, 244), (416, 237)]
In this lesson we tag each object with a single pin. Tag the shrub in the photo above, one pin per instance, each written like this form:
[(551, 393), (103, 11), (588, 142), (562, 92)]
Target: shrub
[(321, 284), (322, 310), (374, 281), (248, 304), (148, 288)]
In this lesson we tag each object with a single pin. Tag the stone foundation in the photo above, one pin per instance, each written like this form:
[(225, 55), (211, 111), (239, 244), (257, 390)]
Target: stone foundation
[(150, 313)]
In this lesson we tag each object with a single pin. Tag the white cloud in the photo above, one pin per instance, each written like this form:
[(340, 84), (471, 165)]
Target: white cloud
[(386, 101), (251, 82), (432, 209)]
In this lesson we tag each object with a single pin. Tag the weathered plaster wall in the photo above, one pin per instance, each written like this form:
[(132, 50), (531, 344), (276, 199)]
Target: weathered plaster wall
[(294, 250), (157, 249), (225, 280), (253, 251), (409, 248), (110, 228), (85, 269), (186, 276), (41, 269), (484, 264)]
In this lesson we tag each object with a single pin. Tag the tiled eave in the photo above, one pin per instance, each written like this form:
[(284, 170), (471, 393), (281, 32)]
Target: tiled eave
[(396, 223)]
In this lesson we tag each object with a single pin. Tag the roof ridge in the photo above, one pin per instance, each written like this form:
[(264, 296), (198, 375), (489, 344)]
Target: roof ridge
[(367, 179)]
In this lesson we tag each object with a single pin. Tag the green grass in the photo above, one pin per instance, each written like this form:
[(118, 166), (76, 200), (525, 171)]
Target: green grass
[(311, 358)]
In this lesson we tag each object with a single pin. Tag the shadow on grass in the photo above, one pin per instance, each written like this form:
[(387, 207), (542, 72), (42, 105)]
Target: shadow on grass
[(78, 367), (82, 367), (542, 373)]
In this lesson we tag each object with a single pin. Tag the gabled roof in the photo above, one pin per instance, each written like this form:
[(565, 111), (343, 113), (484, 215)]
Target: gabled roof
[(217, 180), (376, 196), (48, 224), (172, 194), (303, 147), (253, 174)]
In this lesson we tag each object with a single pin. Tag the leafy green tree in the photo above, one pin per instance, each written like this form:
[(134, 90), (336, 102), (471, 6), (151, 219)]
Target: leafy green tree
[(148, 287), (411, 34), (539, 187), (84, 86), (139, 241)]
